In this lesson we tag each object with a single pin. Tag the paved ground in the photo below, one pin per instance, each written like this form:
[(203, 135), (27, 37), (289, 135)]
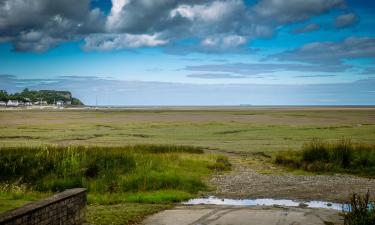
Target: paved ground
[(224, 215)]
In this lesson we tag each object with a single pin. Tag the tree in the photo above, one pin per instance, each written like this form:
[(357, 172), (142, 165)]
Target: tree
[(4, 96)]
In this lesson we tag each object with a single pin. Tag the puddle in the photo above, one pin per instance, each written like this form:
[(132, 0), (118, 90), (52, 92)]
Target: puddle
[(211, 200)]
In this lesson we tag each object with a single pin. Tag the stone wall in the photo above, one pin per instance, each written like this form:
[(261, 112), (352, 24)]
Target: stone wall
[(65, 208)]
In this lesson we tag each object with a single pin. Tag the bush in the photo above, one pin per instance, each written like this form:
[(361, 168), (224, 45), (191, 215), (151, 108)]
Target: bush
[(343, 152), (314, 151), (361, 211)]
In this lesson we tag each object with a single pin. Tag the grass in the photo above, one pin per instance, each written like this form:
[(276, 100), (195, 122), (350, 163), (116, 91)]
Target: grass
[(138, 168), (14, 196), (246, 130), (221, 164), (340, 156), (117, 178), (150, 197), (129, 213)]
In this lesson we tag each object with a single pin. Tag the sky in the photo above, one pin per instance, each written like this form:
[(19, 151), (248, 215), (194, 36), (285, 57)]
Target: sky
[(192, 52)]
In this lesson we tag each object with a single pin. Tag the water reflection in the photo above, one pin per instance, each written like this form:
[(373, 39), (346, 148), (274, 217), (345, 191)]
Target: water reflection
[(212, 200)]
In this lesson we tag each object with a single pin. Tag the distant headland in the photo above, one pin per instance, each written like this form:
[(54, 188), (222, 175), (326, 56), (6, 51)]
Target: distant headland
[(38, 98)]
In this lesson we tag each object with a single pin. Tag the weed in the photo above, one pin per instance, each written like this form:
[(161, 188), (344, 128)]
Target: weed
[(361, 210)]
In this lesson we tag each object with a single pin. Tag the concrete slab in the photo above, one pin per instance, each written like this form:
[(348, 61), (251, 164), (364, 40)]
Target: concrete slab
[(224, 215)]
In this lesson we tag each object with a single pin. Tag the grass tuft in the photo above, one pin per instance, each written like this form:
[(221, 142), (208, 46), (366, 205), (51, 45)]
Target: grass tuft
[(221, 164), (341, 156)]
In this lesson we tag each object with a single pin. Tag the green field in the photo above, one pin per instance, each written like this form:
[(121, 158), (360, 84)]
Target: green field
[(230, 129)]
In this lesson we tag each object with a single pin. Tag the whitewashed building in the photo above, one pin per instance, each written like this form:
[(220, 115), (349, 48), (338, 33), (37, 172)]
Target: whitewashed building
[(60, 103), (14, 103)]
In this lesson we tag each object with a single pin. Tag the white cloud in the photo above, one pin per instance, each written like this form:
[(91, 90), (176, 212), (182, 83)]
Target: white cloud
[(224, 42), (115, 15), (217, 10), (108, 42)]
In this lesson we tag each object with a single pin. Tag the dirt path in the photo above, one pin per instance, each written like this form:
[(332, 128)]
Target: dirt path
[(245, 182)]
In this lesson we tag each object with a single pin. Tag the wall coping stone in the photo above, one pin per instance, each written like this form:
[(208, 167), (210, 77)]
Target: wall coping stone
[(33, 206)]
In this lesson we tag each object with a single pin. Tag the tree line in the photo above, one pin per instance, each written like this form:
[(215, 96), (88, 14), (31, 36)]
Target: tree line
[(49, 96)]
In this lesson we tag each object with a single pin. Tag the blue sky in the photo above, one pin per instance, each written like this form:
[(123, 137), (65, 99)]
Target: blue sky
[(169, 52)]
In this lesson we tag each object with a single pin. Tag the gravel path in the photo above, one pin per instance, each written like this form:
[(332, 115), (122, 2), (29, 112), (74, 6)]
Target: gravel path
[(245, 182)]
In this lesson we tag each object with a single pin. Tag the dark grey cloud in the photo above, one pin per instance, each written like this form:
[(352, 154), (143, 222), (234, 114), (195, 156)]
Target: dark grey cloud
[(330, 53), (287, 11), (308, 28), (37, 25), (215, 76), (119, 92), (252, 69), (346, 20), (217, 25)]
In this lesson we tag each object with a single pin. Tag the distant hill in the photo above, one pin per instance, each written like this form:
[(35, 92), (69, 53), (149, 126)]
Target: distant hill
[(48, 96)]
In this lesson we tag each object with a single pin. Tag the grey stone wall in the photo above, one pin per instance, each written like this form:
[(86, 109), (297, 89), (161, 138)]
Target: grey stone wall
[(65, 208)]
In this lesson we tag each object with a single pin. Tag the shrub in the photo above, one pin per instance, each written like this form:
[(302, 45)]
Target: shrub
[(316, 150), (343, 152), (360, 211)]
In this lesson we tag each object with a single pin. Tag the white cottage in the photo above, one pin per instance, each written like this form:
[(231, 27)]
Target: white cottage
[(14, 103)]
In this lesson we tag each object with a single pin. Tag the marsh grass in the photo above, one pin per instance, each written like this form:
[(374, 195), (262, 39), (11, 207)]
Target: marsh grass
[(245, 130), (140, 173), (322, 156)]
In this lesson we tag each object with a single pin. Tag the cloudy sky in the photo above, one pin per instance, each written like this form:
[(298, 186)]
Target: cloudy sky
[(192, 52)]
